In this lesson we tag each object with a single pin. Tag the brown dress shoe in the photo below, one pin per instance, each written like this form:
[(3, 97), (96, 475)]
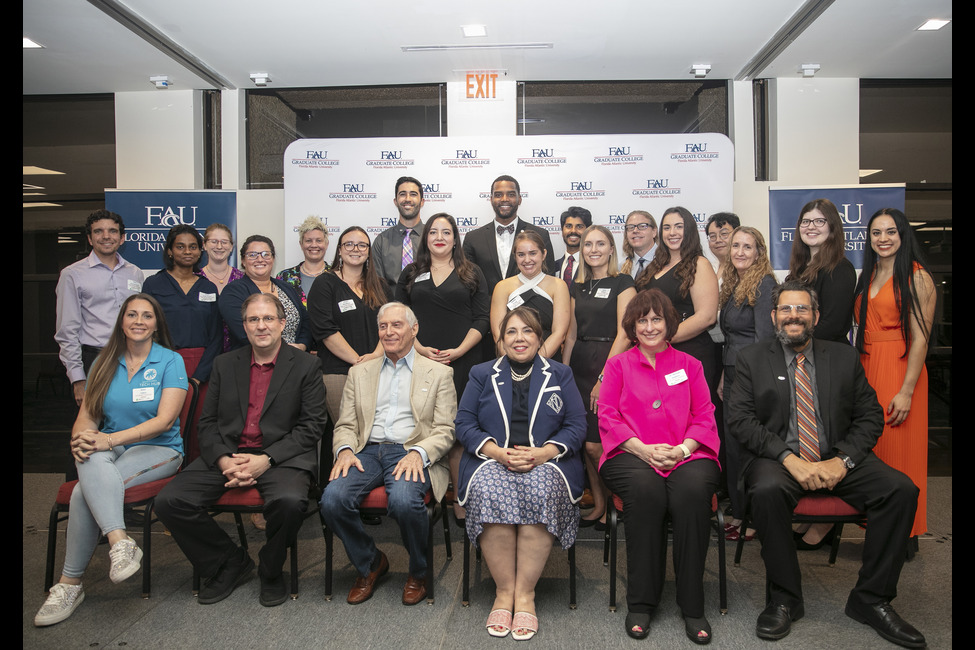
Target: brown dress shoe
[(362, 589), (414, 591)]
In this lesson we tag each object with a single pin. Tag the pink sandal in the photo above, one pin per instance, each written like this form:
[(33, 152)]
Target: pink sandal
[(524, 621), (499, 618)]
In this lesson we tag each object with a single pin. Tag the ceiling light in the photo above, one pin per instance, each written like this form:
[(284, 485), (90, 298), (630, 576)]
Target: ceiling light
[(485, 46), (930, 25), (260, 78), (160, 81), (33, 170), (869, 172), (809, 69), (700, 70), (28, 43), (471, 31)]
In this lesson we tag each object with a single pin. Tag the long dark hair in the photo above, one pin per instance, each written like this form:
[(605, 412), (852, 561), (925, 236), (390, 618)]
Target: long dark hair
[(802, 265), (466, 270), (907, 261), (373, 287), (690, 250), (103, 369)]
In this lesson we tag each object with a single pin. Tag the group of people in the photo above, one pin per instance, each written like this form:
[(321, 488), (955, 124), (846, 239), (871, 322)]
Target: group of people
[(598, 367)]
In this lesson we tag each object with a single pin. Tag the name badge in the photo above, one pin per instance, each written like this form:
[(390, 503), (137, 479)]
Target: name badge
[(516, 301), (346, 305), (602, 292), (135, 286), (422, 277), (676, 377), (208, 297), (143, 394)]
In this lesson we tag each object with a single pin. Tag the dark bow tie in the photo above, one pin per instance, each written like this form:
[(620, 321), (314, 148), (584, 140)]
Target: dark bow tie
[(510, 228)]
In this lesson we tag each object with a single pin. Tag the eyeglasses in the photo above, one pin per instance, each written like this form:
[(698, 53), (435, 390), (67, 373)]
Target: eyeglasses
[(355, 245), (254, 320), (219, 242), (253, 255), (721, 234), (630, 227), (802, 310), (819, 222)]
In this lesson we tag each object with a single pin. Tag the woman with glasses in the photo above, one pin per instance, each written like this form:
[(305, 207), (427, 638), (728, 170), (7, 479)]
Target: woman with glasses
[(257, 255), (640, 242), (218, 244), (343, 304), (818, 260)]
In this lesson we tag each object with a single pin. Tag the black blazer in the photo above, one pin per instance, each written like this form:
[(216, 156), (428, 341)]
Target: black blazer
[(480, 247), (293, 418), (758, 409)]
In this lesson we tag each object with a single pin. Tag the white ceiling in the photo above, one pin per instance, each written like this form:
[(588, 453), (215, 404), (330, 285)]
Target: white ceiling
[(306, 43)]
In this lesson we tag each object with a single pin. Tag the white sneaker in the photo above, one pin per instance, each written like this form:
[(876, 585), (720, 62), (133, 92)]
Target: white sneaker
[(126, 557), (60, 604)]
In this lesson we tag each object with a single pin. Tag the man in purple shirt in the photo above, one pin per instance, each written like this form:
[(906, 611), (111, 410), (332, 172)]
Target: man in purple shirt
[(90, 293)]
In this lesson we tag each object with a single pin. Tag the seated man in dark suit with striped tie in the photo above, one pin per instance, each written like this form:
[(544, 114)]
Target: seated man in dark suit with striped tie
[(807, 421)]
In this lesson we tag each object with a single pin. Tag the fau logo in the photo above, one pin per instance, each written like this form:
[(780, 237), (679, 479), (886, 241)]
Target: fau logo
[(316, 155), (543, 221), (353, 187), (619, 151), (390, 155), (169, 216), (695, 148), (466, 221), (851, 218), (617, 218), (432, 187), (466, 153), (587, 185), (388, 222), (543, 153), (657, 183)]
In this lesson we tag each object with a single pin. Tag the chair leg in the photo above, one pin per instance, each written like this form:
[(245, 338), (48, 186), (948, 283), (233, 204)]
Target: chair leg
[(613, 524), (329, 542), (465, 599), (52, 543), (446, 533), (835, 546), (294, 569), (431, 515), (147, 549), (240, 530), (572, 577), (722, 564), (742, 529)]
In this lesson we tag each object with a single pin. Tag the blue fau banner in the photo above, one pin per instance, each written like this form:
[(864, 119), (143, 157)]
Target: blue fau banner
[(148, 216), (855, 204)]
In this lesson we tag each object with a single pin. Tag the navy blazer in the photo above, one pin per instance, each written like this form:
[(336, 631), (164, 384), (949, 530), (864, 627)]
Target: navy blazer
[(557, 415), (233, 297)]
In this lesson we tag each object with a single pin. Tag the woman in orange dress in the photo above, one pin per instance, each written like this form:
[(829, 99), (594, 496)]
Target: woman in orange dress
[(895, 300)]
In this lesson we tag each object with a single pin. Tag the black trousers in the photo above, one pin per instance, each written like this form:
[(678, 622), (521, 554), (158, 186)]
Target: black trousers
[(182, 507), (648, 498), (887, 496)]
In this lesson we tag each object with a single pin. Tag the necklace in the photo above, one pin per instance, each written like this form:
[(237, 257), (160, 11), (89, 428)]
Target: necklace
[(209, 272), (517, 377), (312, 274)]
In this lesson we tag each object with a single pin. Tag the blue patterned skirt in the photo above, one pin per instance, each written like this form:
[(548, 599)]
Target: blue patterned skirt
[(496, 495)]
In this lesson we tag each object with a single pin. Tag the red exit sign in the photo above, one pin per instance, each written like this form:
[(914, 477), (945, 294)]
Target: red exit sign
[(482, 86)]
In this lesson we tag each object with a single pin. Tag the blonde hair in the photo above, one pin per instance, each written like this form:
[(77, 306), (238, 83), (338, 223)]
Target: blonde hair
[(309, 224), (745, 287), (611, 269)]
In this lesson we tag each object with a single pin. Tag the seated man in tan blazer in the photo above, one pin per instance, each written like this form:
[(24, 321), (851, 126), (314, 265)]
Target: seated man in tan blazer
[(395, 427)]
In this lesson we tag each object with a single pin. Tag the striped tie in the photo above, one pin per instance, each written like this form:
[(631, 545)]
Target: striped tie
[(407, 249), (806, 413)]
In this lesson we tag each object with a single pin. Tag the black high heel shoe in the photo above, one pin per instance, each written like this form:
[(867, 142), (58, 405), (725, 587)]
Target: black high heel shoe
[(697, 630)]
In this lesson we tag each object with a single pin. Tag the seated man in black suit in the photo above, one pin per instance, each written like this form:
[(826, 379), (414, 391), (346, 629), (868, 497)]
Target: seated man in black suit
[(263, 417), (807, 421)]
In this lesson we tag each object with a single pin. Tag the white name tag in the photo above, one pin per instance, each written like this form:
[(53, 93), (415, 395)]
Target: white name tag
[(422, 277), (346, 305), (135, 286), (208, 297), (676, 377), (603, 292), (143, 394), (517, 301)]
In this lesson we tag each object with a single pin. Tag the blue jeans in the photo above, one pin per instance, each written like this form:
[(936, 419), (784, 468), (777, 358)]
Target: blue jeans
[(96, 502), (342, 496)]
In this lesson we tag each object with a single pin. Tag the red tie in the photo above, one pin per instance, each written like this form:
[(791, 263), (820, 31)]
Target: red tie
[(806, 413), (567, 276)]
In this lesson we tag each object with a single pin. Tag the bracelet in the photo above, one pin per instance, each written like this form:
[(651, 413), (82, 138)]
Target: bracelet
[(110, 445)]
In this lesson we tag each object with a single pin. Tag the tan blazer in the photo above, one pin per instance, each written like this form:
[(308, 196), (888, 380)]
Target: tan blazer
[(433, 402)]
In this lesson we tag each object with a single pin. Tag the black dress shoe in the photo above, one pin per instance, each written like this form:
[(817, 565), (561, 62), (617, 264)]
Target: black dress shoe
[(803, 545), (234, 572), (775, 622), (882, 617), (273, 590)]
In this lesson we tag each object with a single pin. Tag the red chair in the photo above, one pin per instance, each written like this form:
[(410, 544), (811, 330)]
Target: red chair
[(818, 509), (139, 496), (614, 512), (376, 504)]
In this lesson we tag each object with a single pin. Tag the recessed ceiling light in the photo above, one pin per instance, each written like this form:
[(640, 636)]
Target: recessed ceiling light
[(933, 24), (470, 31), (28, 43), (869, 172), (34, 170)]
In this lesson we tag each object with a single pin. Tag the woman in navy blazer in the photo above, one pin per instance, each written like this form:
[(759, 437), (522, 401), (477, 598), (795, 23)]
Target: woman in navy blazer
[(522, 424)]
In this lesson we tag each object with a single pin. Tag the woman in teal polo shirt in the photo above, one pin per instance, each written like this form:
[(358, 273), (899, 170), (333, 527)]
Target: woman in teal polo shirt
[(126, 433)]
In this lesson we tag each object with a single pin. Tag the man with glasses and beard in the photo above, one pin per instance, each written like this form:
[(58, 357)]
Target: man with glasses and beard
[(807, 421)]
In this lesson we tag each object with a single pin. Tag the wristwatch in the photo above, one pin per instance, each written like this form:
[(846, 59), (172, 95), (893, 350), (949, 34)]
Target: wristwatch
[(846, 461)]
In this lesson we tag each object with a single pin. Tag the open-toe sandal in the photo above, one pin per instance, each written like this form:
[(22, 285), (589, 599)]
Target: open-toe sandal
[(523, 626), (499, 623)]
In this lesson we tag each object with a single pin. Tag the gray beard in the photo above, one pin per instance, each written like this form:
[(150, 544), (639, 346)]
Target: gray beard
[(796, 341)]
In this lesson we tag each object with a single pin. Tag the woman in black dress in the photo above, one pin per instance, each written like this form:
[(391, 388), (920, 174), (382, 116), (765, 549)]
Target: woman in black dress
[(599, 297), (818, 260), (449, 296), (680, 270)]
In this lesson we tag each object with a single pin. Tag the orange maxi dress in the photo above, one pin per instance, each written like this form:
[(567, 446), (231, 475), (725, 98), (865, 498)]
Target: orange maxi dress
[(904, 447)]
